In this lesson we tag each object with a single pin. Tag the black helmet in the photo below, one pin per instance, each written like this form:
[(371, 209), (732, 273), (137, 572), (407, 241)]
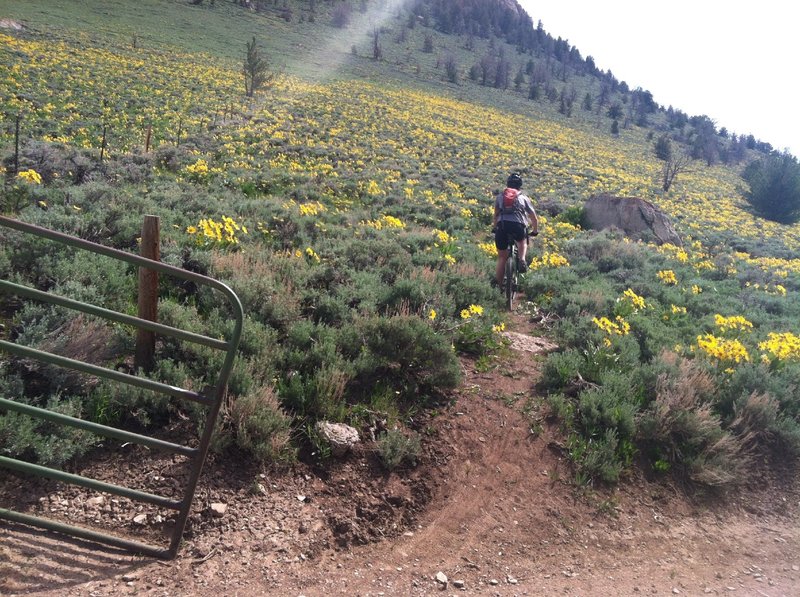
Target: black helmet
[(514, 181)]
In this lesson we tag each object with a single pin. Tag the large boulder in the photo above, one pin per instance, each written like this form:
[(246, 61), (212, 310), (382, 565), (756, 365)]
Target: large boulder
[(637, 218)]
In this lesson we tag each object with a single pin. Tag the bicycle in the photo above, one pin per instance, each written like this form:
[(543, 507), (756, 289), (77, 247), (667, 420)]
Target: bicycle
[(511, 273)]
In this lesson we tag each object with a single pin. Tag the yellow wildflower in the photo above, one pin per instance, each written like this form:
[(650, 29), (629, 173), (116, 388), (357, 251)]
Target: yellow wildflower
[(782, 346), (31, 176), (636, 301), (732, 323), (489, 248), (723, 349), (667, 276), (470, 311)]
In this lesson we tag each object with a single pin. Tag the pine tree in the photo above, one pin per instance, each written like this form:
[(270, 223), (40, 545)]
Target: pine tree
[(255, 69), (663, 148), (775, 187)]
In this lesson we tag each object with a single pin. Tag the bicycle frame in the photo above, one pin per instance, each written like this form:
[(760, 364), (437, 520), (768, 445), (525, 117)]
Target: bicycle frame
[(511, 271)]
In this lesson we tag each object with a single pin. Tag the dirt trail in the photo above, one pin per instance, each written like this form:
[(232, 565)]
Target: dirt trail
[(491, 508)]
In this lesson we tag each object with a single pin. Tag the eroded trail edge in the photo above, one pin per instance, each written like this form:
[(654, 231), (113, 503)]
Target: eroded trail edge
[(492, 509)]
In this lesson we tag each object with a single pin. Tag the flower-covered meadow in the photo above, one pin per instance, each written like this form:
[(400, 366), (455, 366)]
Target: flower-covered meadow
[(352, 218)]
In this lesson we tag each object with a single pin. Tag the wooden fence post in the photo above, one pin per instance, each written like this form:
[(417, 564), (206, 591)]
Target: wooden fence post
[(148, 294), (147, 138), (16, 145), (103, 144)]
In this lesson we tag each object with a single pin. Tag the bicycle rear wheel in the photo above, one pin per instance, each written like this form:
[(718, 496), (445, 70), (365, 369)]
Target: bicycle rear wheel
[(510, 280)]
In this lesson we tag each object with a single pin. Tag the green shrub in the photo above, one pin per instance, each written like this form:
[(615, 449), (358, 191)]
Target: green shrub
[(786, 433), (612, 405), (260, 427), (601, 249), (325, 308), (760, 426), (316, 395), (680, 427), (599, 458), (750, 378), (407, 353), (592, 295), (476, 334), (381, 254), (43, 442), (396, 448), (573, 214), (409, 296), (562, 408), (130, 405), (469, 289), (561, 369)]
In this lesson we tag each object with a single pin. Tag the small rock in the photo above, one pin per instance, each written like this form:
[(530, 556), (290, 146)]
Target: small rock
[(511, 580), (494, 582), (441, 578), (459, 584), (96, 501), (140, 519), (218, 509), (339, 436), (676, 591), (795, 567)]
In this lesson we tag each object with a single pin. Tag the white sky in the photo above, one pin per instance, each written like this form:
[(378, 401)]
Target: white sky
[(733, 61)]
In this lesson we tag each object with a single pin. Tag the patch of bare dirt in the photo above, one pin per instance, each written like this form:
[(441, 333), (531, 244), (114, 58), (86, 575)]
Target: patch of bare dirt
[(490, 509)]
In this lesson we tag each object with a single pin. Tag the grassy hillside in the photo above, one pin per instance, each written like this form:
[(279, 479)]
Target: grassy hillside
[(349, 206)]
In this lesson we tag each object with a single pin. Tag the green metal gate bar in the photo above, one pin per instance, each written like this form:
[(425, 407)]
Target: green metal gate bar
[(125, 436), (151, 326), (43, 471), (147, 384), (212, 398)]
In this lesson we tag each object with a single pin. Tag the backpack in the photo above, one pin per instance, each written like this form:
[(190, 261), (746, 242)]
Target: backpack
[(510, 204)]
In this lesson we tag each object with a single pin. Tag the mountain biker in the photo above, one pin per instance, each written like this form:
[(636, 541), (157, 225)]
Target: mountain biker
[(512, 209)]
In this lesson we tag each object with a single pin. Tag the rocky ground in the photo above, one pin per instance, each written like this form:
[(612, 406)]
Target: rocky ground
[(490, 509)]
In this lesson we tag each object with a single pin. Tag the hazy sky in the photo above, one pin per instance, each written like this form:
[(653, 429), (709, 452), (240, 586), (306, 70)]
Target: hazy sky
[(733, 61)]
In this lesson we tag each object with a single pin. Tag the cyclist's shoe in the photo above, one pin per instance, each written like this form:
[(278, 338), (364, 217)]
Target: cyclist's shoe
[(522, 266)]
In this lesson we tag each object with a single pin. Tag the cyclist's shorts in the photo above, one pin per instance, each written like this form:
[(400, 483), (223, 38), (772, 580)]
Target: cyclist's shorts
[(506, 229)]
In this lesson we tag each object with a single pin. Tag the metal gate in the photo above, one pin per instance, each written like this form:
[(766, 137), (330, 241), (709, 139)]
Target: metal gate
[(211, 398)]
